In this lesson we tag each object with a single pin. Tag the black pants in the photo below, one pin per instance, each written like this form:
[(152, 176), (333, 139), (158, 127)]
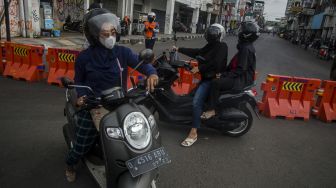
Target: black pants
[(218, 85), (149, 43)]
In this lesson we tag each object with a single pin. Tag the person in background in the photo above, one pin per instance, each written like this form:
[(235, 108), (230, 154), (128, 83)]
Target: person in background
[(151, 30), (125, 23)]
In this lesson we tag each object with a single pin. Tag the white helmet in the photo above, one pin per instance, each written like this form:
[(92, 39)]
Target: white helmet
[(151, 16)]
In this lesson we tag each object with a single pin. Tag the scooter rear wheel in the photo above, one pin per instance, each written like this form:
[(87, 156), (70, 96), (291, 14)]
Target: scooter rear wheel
[(244, 126)]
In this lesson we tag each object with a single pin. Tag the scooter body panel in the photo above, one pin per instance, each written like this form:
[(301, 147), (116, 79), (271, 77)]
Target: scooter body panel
[(117, 152), (178, 109)]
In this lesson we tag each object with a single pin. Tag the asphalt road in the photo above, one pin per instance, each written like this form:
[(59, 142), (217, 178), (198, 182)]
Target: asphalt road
[(275, 153)]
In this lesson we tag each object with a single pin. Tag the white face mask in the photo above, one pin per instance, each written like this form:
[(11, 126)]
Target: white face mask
[(108, 42)]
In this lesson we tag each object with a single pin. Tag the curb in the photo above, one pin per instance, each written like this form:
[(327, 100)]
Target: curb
[(161, 39)]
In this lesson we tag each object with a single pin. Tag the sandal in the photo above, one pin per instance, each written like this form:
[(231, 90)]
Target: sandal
[(207, 115), (189, 142), (70, 174)]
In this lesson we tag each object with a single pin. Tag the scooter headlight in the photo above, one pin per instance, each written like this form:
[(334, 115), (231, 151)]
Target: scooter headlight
[(137, 130)]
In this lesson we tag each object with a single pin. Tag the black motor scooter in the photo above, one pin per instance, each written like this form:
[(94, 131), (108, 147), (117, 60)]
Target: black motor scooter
[(73, 25), (129, 149), (233, 118)]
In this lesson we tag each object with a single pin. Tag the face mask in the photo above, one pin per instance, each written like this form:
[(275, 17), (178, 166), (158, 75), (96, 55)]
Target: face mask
[(108, 42)]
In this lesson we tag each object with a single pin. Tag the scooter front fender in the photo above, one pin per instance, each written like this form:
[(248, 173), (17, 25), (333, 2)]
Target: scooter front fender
[(142, 181)]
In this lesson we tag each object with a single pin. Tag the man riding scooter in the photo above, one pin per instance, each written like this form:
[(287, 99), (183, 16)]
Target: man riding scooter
[(215, 54)]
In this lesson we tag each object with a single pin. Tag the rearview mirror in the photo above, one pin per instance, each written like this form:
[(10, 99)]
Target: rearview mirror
[(67, 82), (147, 55), (200, 59)]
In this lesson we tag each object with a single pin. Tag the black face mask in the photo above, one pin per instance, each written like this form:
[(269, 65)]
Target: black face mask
[(150, 19)]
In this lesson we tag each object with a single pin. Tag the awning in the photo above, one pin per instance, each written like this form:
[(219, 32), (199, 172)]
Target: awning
[(317, 21)]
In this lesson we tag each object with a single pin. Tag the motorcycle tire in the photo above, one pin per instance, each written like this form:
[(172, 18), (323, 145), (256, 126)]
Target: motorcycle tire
[(153, 184), (244, 125)]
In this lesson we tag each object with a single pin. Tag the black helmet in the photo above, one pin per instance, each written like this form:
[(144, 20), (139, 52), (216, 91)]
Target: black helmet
[(248, 32), (93, 22), (214, 33)]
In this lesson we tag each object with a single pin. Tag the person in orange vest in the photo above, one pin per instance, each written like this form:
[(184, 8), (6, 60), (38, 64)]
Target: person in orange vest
[(151, 30)]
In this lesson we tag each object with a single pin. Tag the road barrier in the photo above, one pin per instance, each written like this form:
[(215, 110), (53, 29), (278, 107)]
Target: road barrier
[(289, 97), (24, 62), (325, 108), (2, 57), (187, 81), (137, 76), (61, 64)]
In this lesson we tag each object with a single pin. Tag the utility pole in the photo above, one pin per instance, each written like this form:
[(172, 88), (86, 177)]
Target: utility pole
[(220, 12), (6, 3)]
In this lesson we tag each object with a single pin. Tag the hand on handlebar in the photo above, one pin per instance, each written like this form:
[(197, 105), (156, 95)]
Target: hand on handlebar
[(81, 100), (194, 70), (152, 81)]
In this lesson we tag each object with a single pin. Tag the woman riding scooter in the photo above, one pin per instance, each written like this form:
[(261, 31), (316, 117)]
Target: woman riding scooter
[(241, 69), (102, 66), (215, 55)]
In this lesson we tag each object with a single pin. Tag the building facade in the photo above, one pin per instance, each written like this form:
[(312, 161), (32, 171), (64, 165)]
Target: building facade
[(29, 17), (312, 18)]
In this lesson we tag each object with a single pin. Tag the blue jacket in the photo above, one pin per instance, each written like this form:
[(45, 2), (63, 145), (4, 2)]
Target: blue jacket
[(98, 68)]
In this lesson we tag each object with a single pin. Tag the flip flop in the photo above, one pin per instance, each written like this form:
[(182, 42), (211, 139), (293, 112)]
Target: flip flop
[(189, 142)]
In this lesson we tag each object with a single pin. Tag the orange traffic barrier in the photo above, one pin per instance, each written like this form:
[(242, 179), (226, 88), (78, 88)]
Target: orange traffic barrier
[(2, 57), (136, 76), (187, 81), (289, 97), (61, 64), (24, 61), (325, 108)]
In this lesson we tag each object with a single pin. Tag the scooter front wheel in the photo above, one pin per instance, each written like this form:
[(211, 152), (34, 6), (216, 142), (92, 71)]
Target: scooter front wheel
[(153, 184), (243, 127)]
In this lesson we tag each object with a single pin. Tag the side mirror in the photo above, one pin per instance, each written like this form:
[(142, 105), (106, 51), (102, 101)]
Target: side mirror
[(67, 82), (147, 55), (200, 59)]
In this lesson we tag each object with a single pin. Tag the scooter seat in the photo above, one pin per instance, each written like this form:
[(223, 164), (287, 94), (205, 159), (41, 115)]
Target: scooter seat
[(178, 64), (237, 91)]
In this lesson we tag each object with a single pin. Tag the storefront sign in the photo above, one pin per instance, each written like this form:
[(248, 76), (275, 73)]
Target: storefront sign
[(308, 11), (296, 9)]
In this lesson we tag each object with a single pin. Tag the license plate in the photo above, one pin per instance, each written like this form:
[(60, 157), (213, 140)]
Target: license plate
[(148, 161)]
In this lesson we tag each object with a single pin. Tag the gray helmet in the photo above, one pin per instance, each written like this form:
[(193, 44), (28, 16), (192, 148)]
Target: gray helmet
[(214, 33), (94, 21)]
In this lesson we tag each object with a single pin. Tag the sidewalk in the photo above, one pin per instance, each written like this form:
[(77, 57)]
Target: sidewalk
[(76, 40)]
